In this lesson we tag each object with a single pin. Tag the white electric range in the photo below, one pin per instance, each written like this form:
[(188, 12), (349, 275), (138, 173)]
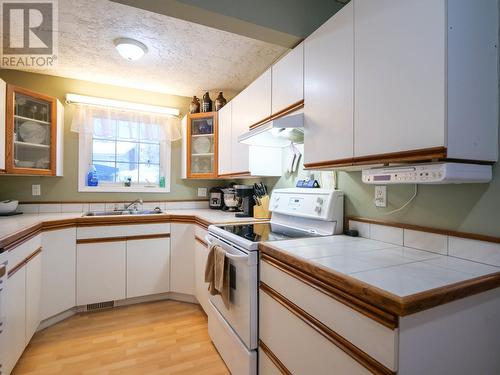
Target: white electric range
[(296, 213)]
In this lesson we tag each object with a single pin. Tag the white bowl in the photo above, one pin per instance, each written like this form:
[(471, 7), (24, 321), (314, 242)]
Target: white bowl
[(8, 206)]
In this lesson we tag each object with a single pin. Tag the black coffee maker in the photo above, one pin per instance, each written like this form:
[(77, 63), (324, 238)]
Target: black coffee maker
[(245, 193)]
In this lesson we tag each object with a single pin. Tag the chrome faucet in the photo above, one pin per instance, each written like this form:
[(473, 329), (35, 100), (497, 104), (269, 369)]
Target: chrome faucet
[(134, 204)]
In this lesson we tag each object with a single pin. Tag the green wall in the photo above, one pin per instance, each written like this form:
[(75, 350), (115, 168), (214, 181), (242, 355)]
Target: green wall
[(65, 188), (473, 208)]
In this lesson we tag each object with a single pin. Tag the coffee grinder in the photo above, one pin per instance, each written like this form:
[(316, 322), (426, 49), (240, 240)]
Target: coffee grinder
[(245, 196)]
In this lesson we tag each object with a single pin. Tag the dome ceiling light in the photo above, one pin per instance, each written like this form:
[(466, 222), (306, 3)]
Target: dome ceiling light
[(130, 49)]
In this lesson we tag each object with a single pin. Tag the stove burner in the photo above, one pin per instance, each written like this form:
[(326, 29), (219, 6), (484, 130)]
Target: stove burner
[(267, 232)]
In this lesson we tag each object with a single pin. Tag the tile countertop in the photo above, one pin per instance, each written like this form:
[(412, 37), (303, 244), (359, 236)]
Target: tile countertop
[(400, 271), (10, 225)]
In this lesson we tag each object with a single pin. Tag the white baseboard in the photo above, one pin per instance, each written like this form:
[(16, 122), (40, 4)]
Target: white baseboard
[(56, 318), (119, 303)]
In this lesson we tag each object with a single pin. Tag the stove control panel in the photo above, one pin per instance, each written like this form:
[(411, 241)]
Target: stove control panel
[(322, 204)]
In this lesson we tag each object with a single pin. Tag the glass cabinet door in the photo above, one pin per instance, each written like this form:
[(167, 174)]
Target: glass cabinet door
[(203, 143), (31, 133)]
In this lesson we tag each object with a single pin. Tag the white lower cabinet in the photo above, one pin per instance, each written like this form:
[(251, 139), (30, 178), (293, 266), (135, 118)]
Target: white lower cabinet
[(302, 349), (266, 366), (15, 319), (182, 258), (200, 260), (101, 268), (33, 293), (148, 266), (59, 272)]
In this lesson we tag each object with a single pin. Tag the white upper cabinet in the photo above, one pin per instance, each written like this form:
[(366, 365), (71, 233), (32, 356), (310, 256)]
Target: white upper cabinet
[(257, 100), (328, 90), (288, 80), (400, 75), (225, 142), (426, 77), (3, 119), (239, 151)]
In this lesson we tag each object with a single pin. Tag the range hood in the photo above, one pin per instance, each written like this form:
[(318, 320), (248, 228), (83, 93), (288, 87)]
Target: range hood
[(276, 133)]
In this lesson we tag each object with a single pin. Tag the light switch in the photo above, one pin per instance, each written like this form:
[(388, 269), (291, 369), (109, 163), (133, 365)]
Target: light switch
[(202, 192), (36, 190), (381, 196)]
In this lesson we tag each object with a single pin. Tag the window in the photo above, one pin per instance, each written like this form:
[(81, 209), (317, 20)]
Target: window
[(129, 150), (126, 151)]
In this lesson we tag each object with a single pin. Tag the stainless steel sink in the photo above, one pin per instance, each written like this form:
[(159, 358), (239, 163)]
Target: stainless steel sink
[(123, 212)]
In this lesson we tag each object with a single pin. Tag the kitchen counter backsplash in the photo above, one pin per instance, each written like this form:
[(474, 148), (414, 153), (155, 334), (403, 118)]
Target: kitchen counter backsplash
[(42, 208)]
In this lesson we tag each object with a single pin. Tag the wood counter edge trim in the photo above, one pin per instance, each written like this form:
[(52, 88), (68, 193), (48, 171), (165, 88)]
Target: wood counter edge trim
[(201, 241), (390, 157), (439, 296), (420, 228), (282, 112), (15, 239), (122, 238), (20, 237), (387, 320), (25, 261), (3, 270), (275, 360), (340, 342)]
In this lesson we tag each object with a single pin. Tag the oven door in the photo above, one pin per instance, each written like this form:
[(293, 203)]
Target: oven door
[(241, 315)]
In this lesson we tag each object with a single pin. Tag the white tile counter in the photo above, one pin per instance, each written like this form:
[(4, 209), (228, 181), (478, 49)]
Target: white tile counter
[(399, 270)]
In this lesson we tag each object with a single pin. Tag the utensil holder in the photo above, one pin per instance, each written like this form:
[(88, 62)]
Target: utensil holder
[(262, 211)]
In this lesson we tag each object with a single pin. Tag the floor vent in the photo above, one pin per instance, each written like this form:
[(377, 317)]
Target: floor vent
[(100, 305)]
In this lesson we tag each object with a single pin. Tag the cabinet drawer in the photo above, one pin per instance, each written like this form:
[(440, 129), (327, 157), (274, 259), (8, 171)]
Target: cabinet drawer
[(23, 251), (373, 338), (300, 348), (107, 231)]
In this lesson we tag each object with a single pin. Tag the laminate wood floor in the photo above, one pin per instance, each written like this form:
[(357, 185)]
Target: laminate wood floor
[(166, 337)]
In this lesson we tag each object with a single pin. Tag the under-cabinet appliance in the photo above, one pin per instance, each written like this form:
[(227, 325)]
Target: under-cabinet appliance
[(216, 198), (297, 213), (432, 173)]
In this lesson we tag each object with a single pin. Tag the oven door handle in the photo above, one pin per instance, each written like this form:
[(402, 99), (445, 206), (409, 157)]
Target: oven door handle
[(229, 255)]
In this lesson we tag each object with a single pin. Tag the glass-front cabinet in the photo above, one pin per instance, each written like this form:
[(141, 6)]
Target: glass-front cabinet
[(202, 145), (32, 132)]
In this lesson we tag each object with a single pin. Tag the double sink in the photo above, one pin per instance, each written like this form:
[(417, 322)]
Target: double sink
[(123, 212)]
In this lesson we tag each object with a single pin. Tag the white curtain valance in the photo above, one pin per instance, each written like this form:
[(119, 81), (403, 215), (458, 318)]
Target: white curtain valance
[(113, 122)]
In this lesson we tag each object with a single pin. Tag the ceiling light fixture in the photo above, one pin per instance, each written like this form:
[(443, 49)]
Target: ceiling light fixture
[(130, 49)]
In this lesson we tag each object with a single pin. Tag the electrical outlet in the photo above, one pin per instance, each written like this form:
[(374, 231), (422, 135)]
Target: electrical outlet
[(202, 192), (36, 190), (381, 196)]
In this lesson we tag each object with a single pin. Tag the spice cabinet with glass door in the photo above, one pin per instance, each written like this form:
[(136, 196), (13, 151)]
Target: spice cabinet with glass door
[(201, 145), (34, 133)]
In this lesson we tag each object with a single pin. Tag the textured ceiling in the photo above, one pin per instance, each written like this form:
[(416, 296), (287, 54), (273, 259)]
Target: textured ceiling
[(183, 59)]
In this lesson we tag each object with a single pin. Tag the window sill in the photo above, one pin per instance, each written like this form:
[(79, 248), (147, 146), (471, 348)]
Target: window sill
[(121, 189)]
